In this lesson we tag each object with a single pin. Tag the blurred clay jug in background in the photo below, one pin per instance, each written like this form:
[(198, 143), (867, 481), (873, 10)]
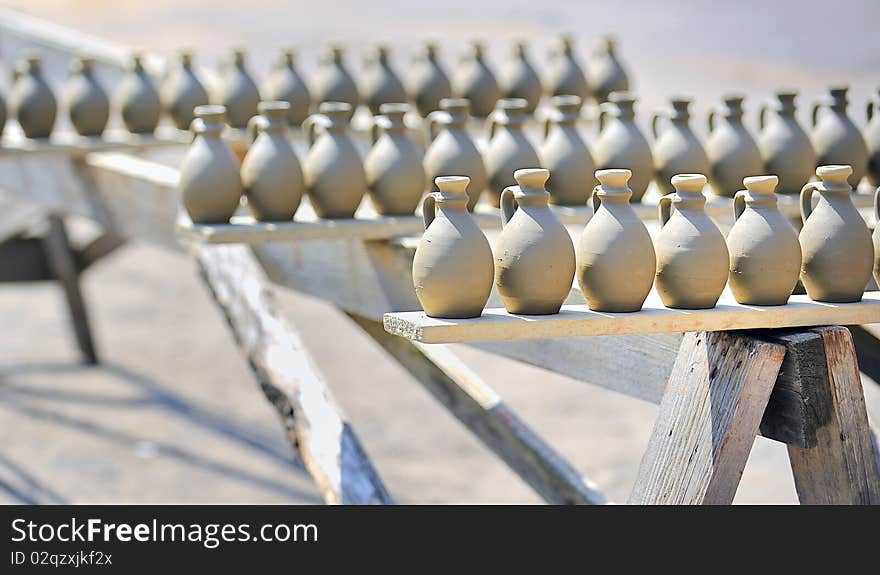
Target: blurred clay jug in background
[(237, 91), (334, 83), (452, 150), (509, 149), (139, 100), (87, 102), (838, 253), (182, 92), (534, 256), (429, 83), (566, 77), (210, 185), (270, 173), (452, 267), (676, 149), (785, 147), (519, 79), (876, 236), (836, 138), (733, 153), (475, 81), (286, 85), (872, 139), (622, 145), (566, 155), (31, 100), (615, 256), (605, 72), (692, 257), (765, 256), (395, 177), (335, 177), (381, 84)]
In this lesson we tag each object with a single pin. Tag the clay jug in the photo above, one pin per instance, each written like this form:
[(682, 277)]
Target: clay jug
[(335, 177), (765, 256), (31, 100), (334, 83), (381, 85), (237, 91), (453, 267), (534, 256), (452, 150), (622, 145), (566, 155), (210, 186), (509, 149), (286, 85), (429, 83), (270, 172), (475, 81), (733, 153), (676, 149), (785, 147), (395, 177), (872, 139), (836, 138), (606, 73), (566, 77), (139, 101), (838, 253), (182, 92), (519, 79), (692, 258), (876, 236), (87, 102)]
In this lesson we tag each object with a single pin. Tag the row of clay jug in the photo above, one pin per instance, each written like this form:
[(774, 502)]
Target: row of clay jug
[(616, 262)]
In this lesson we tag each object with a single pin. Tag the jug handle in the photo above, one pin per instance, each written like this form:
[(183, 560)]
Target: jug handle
[(877, 206), (807, 200), (428, 209), (654, 118), (739, 204), (814, 117), (665, 207), (761, 115), (711, 121), (508, 205), (491, 124), (870, 110), (596, 200), (310, 126), (547, 122), (604, 108), (378, 123), (431, 124)]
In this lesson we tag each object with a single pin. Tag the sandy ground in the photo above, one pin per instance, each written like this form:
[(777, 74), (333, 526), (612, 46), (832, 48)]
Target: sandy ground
[(173, 414)]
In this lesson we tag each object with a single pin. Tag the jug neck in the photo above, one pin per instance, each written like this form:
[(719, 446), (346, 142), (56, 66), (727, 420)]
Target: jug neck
[(690, 201)]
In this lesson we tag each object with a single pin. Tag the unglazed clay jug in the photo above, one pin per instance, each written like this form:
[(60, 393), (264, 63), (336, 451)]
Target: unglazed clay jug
[(139, 101), (615, 256), (381, 84), (566, 77), (785, 147), (566, 155), (286, 85), (509, 149), (692, 258), (475, 81), (270, 173), (836, 138), (237, 91), (733, 153), (677, 149), (395, 176), (182, 92), (838, 254), (31, 100), (210, 186), (622, 145), (534, 256), (765, 256), (452, 268), (519, 79), (872, 139), (335, 177), (451, 149), (333, 82), (606, 73), (87, 102), (429, 84)]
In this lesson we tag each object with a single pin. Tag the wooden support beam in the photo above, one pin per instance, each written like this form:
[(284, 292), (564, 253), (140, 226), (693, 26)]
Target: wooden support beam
[(326, 442), (481, 410), (708, 419)]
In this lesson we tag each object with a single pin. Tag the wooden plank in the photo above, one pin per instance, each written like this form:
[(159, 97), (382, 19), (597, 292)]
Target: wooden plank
[(708, 419), (71, 143), (326, 442), (842, 467), (482, 411)]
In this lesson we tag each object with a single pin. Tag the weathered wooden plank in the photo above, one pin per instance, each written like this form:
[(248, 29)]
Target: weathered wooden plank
[(326, 442), (482, 411), (708, 419)]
